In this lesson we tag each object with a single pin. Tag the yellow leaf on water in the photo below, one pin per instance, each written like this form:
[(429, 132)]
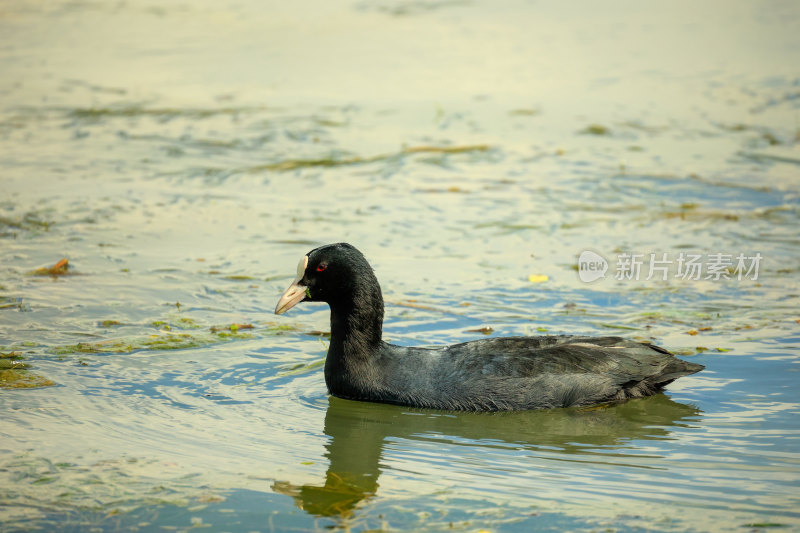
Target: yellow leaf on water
[(538, 278), (59, 269)]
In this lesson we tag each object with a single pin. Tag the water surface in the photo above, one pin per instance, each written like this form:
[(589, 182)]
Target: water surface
[(183, 157)]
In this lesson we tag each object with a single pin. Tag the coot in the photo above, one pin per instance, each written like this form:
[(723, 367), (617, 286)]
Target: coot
[(495, 374)]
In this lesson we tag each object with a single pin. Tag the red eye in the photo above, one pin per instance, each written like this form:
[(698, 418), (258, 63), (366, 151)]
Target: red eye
[(321, 267)]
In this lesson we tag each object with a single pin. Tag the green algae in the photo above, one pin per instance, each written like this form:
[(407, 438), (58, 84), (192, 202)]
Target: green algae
[(14, 374), (233, 328), (6, 364), (283, 327), (182, 333), (167, 340), (188, 323)]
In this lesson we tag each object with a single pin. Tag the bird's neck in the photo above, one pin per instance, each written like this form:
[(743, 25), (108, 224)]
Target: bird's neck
[(356, 326), (356, 330)]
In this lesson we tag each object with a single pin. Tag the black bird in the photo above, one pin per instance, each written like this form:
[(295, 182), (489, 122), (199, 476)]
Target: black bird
[(496, 374)]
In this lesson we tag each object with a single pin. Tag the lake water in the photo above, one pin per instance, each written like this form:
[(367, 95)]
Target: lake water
[(183, 156)]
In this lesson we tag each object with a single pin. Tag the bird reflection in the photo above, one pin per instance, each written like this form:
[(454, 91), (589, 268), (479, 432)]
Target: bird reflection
[(357, 431)]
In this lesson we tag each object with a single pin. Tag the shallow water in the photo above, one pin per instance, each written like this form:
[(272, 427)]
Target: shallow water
[(183, 157)]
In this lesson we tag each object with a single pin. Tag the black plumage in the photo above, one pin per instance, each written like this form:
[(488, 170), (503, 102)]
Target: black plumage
[(495, 374)]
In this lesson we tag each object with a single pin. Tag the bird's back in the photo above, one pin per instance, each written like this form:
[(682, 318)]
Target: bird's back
[(515, 373)]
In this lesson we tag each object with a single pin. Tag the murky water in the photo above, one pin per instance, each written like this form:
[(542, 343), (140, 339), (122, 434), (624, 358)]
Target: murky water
[(183, 156)]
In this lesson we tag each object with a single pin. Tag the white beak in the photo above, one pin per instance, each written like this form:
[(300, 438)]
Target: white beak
[(296, 292)]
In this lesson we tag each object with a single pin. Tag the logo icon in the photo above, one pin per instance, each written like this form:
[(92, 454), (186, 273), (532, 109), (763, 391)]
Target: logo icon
[(591, 266)]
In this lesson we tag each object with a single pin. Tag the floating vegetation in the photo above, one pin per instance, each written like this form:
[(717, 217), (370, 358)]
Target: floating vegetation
[(166, 340), (451, 189), (486, 330), (503, 227), (446, 149), (61, 268), (30, 221), (572, 308), (330, 161), (410, 8), (23, 379), (769, 158), (11, 302), (14, 373), (301, 368), (764, 133), (615, 326), (335, 160), (524, 112), (328, 123), (9, 359), (98, 494), (163, 113), (692, 213), (188, 323), (233, 328), (734, 127), (172, 335), (595, 129), (677, 316)]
